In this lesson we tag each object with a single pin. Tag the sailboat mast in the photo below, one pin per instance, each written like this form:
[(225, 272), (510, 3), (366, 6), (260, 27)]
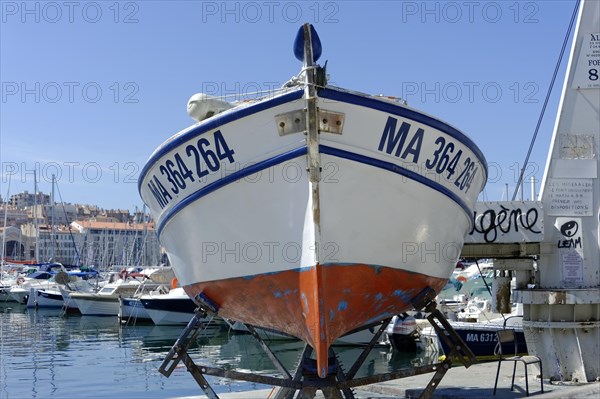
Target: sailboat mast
[(3, 258), (36, 217), (52, 238)]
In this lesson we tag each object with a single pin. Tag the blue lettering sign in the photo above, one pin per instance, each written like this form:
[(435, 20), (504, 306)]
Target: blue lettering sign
[(206, 156), (392, 139)]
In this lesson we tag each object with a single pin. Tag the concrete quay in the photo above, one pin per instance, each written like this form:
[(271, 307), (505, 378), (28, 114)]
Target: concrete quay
[(459, 382)]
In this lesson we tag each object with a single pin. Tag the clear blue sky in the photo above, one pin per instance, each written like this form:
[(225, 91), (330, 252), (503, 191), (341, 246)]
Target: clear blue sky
[(90, 89)]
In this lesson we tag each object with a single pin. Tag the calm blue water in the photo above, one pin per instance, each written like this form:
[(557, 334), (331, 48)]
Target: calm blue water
[(44, 354)]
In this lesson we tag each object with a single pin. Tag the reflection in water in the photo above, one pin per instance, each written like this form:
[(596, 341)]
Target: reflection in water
[(46, 354)]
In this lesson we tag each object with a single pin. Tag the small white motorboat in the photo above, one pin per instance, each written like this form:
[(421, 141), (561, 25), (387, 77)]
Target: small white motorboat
[(173, 308), (105, 302)]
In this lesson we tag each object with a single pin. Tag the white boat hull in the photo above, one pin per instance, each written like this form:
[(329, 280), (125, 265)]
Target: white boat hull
[(5, 287), (173, 308), (95, 305), (270, 247), (131, 309), (169, 318), (50, 298), (19, 294)]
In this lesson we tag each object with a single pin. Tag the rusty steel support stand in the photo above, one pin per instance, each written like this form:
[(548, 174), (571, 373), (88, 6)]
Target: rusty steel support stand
[(305, 381), (337, 384), (179, 352), (458, 350)]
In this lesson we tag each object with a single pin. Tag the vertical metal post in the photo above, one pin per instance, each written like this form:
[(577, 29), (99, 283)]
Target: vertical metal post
[(312, 122)]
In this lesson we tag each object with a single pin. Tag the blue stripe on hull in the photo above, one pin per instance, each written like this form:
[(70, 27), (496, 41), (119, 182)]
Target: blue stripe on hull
[(404, 112), (232, 178), (55, 297), (260, 166), (396, 169)]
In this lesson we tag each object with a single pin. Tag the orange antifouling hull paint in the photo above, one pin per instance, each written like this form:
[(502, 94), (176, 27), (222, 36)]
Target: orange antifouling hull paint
[(317, 304)]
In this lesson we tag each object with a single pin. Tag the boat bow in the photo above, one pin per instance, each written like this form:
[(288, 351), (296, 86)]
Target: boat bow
[(315, 211)]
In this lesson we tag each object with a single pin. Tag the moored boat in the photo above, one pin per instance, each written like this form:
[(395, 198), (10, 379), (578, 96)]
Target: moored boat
[(172, 308), (52, 295), (47, 298), (156, 281), (105, 302), (131, 310), (403, 333), (40, 277), (340, 244), (481, 337)]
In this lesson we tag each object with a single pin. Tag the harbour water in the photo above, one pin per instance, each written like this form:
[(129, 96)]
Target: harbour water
[(45, 354)]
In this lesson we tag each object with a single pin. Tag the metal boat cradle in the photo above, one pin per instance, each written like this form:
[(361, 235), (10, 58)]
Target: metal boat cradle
[(305, 380)]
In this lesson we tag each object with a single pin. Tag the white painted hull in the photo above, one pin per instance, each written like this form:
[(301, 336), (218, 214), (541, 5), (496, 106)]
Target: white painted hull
[(19, 294), (173, 308), (92, 306), (106, 301), (5, 287), (48, 299), (69, 303), (385, 222), (169, 318), (131, 309), (368, 214)]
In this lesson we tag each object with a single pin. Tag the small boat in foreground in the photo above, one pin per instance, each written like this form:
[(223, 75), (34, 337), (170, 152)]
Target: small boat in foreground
[(314, 210)]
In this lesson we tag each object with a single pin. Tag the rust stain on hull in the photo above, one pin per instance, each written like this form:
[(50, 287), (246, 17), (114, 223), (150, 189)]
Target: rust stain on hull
[(317, 304)]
